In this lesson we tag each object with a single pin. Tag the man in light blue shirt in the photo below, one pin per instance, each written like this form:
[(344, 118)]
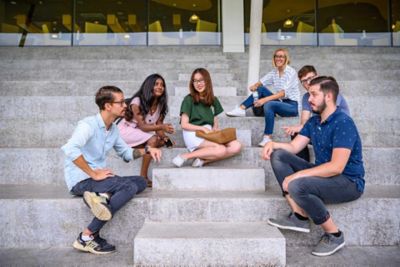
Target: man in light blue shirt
[(86, 173)]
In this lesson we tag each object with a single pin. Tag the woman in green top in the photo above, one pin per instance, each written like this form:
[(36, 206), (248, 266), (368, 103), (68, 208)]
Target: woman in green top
[(199, 111)]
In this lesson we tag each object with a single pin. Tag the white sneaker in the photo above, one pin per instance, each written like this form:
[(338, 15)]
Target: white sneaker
[(236, 112), (265, 140), (178, 161), (198, 163)]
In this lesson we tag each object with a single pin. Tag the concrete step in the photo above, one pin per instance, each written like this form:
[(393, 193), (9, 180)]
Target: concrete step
[(45, 165), (44, 132), (84, 88), (209, 244), (352, 88), (188, 53), (56, 133), (208, 179), (367, 221), (357, 256), (114, 64), (73, 107)]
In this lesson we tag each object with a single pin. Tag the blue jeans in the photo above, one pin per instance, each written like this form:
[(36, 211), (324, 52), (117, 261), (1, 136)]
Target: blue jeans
[(122, 189), (311, 193), (284, 108)]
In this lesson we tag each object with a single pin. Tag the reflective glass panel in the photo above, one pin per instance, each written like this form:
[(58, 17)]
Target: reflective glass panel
[(184, 22), (285, 22), (353, 23), (34, 23), (104, 22)]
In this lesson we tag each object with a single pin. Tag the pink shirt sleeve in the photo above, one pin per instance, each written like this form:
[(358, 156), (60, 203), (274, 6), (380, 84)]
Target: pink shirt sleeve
[(136, 101)]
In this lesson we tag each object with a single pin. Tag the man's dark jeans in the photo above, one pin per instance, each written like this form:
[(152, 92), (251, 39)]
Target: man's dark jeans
[(121, 189), (312, 193)]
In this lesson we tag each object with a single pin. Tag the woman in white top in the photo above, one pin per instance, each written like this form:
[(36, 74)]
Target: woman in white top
[(284, 101)]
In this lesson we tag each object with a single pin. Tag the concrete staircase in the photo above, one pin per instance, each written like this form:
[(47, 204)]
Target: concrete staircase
[(213, 216)]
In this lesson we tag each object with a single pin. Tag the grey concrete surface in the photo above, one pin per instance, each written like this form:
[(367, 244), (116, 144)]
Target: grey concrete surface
[(24, 207), (45, 165), (209, 244), (208, 179)]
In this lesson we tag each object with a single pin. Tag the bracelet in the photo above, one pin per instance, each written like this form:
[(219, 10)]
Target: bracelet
[(136, 154), (146, 149)]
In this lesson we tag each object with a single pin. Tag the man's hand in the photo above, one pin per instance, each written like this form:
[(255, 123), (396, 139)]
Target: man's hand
[(101, 174), (292, 130), (253, 87), (155, 153), (288, 179), (267, 150)]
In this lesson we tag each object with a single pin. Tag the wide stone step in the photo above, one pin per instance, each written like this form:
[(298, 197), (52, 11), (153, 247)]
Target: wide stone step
[(209, 244), (218, 91), (57, 212), (208, 179), (351, 88), (45, 165), (73, 107), (42, 132), (86, 88), (114, 64), (295, 257)]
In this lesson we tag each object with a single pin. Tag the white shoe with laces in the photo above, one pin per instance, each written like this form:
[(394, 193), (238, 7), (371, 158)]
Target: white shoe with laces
[(198, 163), (178, 161), (265, 140), (236, 112)]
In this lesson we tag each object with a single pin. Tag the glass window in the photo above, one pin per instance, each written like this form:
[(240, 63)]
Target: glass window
[(285, 22), (353, 23), (104, 22), (184, 22), (31, 23), (395, 27)]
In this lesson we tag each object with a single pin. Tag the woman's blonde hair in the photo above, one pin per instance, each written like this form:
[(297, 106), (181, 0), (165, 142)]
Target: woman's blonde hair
[(287, 56)]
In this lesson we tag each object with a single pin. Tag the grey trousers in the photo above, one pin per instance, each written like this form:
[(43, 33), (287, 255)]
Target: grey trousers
[(312, 193)]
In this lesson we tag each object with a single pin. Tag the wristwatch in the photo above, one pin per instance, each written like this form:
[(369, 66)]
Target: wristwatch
[(147, 149)]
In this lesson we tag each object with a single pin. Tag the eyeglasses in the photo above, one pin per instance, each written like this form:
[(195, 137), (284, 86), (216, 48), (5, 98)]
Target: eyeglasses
[(279, 56), (121, 103), (308, 80), (198, 81)]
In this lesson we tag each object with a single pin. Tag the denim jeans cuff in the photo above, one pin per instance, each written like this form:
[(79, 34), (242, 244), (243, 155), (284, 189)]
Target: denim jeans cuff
[(321, 220)]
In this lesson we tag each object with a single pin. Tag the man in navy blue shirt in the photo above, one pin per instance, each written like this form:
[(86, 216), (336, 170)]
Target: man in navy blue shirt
[(336, 176)]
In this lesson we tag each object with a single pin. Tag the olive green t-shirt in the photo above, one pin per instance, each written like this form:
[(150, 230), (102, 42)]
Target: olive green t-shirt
[(200, 114)]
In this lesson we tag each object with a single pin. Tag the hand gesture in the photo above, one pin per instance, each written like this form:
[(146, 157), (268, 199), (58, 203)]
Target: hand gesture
[(259, 103), (267, 150), (253, 87), (292, 130), (168, 128), (101, 174), (206, 130), (155, 153)]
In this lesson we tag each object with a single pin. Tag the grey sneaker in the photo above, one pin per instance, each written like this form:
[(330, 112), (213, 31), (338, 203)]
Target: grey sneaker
[(291, 223), (328, 245)]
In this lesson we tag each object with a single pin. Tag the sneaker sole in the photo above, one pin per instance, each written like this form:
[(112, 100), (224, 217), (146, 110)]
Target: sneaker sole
[(323, 254), (99, 210), (297, 229), (79, 246), (235, 115)]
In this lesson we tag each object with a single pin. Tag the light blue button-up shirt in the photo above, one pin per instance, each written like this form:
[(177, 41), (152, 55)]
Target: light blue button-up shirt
[(93, 141)]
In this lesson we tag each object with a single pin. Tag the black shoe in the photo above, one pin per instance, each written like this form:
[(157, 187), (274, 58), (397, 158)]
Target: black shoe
[(98, 204), (93, 246), (102, 242)]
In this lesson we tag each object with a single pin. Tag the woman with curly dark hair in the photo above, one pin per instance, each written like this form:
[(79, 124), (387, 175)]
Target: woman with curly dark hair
[(143, 124)]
